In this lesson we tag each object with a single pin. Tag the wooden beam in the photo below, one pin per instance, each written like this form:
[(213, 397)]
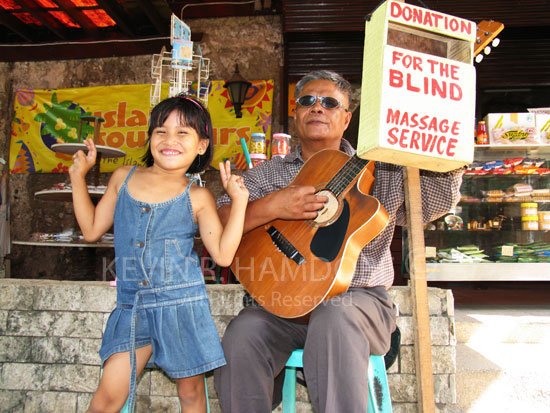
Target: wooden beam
[(115, 12), (196, 9), (43, 17), (78, 50), (419, 291), (16, 26), (162, 26), (78, 16)]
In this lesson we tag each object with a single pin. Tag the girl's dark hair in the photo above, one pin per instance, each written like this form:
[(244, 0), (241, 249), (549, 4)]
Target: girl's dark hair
[(194, 115)]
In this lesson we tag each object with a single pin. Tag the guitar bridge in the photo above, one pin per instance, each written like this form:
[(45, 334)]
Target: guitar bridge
[(285, 246)]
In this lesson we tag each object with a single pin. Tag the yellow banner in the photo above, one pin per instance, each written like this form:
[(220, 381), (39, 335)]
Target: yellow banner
[(46, 117), (228, 130)]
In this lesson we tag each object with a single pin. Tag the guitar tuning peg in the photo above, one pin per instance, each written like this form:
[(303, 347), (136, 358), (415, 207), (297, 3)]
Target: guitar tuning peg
[(479, 58), (495, 42), (487, 50)]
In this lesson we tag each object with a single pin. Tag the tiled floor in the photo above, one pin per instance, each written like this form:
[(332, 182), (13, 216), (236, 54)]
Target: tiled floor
[(502, 356)]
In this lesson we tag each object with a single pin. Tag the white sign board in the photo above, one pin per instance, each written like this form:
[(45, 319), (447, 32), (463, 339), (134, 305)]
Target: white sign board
[(423, 106), (418, 109)]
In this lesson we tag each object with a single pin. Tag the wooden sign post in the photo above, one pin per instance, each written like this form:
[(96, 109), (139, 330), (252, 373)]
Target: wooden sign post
[(417, 110), (419, 292)]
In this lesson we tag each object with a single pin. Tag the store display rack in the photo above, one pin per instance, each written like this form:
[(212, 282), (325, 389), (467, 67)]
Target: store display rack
[(65, 195), (499, 220)]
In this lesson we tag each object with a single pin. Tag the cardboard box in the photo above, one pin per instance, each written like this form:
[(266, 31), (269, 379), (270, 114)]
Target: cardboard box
[(418, 88), (512, 129), (542, 123)]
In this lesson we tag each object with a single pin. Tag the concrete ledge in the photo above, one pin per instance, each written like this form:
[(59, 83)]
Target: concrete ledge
[(50, 333)]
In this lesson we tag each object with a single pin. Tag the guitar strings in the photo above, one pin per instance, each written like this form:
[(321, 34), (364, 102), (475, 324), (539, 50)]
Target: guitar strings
[(346, 174)]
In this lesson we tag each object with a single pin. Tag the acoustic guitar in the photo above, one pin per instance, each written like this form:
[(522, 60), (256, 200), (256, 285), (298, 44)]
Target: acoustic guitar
[(290, 267)]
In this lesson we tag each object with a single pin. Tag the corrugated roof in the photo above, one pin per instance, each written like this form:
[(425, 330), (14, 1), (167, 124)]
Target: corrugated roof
[(65, 29)]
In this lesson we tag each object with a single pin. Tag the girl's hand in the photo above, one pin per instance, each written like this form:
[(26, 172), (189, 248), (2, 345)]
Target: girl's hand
[(84, 162), (233, 184)]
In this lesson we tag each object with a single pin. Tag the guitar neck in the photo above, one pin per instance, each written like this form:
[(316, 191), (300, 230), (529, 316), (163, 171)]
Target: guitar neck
[(346, 175)]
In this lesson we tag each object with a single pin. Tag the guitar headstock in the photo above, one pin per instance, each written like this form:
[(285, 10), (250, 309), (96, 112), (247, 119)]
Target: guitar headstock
[(487, 30)]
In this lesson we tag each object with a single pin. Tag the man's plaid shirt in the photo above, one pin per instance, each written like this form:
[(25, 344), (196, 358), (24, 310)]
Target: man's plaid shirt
[(440, 193)]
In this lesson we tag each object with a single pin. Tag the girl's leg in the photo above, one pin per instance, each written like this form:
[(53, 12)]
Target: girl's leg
[(192, 394), (113, 388)]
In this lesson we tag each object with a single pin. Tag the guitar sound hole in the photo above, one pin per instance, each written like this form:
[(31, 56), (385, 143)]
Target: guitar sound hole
[(329, 211), (328, 240)]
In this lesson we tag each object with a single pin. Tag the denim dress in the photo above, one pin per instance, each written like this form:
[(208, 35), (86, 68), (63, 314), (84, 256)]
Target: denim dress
[(161, 295)]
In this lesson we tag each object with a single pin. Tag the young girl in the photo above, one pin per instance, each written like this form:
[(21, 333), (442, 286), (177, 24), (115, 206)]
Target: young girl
[(162, 314)]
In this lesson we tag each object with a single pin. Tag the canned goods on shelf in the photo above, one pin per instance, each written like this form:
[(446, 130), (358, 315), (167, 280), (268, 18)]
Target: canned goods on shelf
[(530, 223), (529, 209)]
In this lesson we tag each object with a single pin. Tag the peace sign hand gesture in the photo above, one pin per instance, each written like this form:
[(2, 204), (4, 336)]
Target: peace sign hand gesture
[(233, 184)]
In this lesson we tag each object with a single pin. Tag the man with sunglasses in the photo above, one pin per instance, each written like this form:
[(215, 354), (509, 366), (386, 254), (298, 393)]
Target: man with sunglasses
[(342, 332)]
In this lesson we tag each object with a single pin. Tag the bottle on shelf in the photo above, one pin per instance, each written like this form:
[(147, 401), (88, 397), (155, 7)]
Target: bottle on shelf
[(257, 148), (257, 143), (482, 138), (281, 145)]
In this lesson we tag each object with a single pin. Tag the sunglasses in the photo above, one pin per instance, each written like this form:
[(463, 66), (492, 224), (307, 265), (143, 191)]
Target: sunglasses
[(326, 101)]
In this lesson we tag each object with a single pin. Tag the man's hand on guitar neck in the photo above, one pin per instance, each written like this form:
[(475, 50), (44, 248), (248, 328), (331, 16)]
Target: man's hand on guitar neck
[(291, 202)]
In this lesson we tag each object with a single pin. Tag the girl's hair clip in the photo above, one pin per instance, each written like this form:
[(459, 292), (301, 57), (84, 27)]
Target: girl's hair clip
[(192, 100)]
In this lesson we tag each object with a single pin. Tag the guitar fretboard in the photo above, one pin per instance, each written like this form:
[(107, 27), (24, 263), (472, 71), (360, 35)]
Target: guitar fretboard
[(347, 173)]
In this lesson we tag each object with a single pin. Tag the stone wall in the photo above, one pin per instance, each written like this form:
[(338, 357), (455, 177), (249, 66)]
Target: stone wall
[(50, 333)]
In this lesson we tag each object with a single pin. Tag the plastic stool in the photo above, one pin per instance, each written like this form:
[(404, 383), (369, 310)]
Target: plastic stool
[(379, 392), (125, 407)]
